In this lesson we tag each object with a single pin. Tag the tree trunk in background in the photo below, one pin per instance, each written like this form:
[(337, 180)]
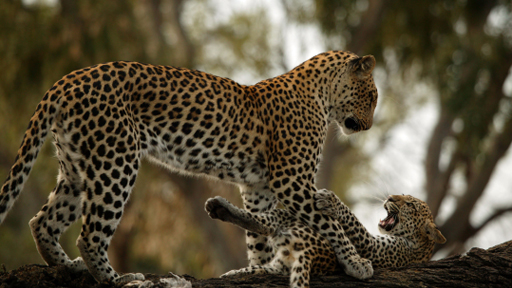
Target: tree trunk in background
[(332, 147), (176, 44), (457, 231), (368, 28), (457, 228), (437, 180)]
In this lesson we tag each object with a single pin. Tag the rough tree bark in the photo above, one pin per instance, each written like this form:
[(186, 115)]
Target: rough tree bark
[(477, 268)]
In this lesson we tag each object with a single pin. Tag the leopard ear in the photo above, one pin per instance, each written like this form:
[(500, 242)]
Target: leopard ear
[(362, 67), (433, 233)]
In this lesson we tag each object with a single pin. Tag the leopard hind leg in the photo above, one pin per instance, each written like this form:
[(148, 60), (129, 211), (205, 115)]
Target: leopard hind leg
[(61, 210), (278, 266), (300, 272), (258, 200)]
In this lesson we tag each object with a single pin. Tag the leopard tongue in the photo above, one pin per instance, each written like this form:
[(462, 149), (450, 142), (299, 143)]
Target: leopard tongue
[(389, 220)]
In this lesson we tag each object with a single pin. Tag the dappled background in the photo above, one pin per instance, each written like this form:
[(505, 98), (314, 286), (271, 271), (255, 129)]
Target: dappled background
[(441, 133)]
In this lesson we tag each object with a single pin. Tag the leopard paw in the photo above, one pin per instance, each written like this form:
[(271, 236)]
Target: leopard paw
[(359, 268), (325, 201), (217, 208), (77, 265), (127, 278)]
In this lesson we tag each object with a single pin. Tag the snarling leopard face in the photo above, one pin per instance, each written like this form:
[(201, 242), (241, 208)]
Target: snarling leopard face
[(410, 218)]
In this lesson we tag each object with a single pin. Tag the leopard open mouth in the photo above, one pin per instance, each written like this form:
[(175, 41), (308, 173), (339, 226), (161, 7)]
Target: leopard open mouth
[(389, 222)]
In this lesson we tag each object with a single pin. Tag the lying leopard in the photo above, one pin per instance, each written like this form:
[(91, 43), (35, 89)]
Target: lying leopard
[(300, 251), (267, 138)]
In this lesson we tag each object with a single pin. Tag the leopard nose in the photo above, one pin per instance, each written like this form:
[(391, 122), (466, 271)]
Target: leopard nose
[(351, 124), (391, 199)]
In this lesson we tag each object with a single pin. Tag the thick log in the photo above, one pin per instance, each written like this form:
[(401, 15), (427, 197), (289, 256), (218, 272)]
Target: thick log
[(476, 268)]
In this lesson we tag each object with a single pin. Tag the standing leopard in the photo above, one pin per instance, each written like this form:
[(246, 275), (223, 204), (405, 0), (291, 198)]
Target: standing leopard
[(410, 235), (267, 138)]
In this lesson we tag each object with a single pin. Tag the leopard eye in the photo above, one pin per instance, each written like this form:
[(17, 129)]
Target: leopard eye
[(410, 205)]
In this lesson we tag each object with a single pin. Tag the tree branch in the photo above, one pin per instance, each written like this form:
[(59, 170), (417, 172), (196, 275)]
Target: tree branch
[(491, 218), (477, 268), (367, 28), (452, 228), (185, 49)]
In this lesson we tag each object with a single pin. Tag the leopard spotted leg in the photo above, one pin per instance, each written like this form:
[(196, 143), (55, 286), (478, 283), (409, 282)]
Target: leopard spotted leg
[(354, 265), (295, 190), (102, 211), (62, 209), (262, 224), (300, 272), (294, 257), (265, 224), (259, 252), (278, 266)]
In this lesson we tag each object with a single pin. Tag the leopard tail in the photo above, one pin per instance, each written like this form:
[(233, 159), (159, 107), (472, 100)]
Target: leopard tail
[(33, 140)]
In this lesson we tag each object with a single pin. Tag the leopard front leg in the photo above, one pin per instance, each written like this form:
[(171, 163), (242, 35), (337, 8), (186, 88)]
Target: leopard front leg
[(354, 265), (220, 208), (256, 200), (295, 190), (102, 209)]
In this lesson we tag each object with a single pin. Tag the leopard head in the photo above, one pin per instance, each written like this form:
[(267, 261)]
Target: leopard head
[(410, 218), (353, 95)]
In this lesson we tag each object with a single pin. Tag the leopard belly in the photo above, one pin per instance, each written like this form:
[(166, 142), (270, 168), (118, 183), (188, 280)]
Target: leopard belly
[(239, 168)]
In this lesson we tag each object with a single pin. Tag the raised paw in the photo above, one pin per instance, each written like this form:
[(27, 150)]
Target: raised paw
[(359, 268), (127, 278), (217, 208), (326, 201)]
